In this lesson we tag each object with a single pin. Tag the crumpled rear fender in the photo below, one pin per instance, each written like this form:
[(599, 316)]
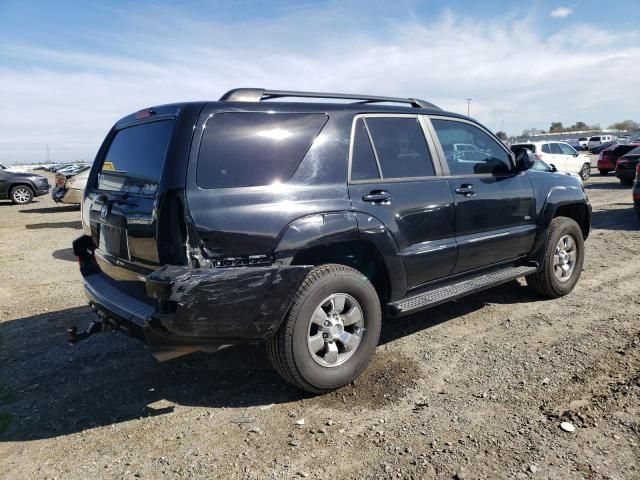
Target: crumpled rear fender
[(236, 303)]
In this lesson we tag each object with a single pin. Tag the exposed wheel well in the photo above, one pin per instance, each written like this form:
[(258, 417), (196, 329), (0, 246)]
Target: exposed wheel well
[(361, 255), (577, 212)]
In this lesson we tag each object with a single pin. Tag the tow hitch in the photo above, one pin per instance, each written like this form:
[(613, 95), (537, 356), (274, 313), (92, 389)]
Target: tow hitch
[(95, 326)]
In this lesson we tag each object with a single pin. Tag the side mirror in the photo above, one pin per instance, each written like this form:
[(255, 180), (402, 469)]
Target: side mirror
[(553, 167), (524, 159)]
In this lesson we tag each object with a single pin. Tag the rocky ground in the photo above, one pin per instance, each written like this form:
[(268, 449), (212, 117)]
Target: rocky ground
[(476, 388)]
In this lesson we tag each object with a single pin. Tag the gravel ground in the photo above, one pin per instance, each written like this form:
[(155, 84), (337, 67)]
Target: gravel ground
[(476, 388)]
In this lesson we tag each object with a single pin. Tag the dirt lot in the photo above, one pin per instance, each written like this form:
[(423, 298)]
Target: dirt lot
[(472, 389)]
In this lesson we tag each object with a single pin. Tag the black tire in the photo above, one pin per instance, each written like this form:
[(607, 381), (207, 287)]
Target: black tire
[(288, 349), (545, 282), (603, 171), (21, 195), (626, 181), (585, 171)]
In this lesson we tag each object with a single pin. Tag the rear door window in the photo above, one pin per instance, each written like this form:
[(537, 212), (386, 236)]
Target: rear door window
[(256, 148), (400, 147), (135, 158), (545, 148)]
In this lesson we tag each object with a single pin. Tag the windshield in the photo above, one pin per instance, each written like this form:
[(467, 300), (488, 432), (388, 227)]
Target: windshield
[(2, 167), (594, 139)]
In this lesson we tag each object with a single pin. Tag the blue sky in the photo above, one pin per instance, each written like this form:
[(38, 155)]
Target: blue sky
[(69, 70)]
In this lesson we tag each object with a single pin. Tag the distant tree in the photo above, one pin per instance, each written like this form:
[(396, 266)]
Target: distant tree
[(501, 135), (556, 127), (626, 125), (580, 126)]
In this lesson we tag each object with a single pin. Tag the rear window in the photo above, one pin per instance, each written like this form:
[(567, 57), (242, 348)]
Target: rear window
[(635, 151), (133, 163), (250, 149)]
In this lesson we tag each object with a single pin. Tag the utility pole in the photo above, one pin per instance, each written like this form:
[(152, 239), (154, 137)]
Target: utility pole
[(468, 105)]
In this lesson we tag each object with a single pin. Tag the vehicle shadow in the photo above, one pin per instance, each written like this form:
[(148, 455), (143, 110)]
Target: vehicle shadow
[(77, 224), (64, 254), (607, 186), (49, 388), (616, 219), (65, 208)]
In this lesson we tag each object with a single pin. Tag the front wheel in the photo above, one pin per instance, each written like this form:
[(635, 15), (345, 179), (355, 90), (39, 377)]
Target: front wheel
[(585, 171), (563, 259), (21, 195), (331, 331)]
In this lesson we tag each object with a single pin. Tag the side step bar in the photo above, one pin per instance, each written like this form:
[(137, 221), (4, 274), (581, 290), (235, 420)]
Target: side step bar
[(453, 290)]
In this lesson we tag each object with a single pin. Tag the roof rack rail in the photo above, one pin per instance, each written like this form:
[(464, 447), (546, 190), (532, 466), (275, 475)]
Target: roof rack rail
[(260, 94)]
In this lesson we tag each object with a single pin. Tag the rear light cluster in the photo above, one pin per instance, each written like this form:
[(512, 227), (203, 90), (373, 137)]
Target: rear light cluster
[(247, 261)]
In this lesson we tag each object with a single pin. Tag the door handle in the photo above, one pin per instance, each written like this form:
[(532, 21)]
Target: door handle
[(377, 196), (466, 189)]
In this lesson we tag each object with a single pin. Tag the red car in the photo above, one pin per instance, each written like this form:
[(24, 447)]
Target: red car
[(609, 156)]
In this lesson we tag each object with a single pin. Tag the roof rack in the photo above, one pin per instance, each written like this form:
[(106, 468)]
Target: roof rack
[(260, 94)]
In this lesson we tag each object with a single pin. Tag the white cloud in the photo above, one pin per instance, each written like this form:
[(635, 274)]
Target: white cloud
[(561, 12), (69, 99)]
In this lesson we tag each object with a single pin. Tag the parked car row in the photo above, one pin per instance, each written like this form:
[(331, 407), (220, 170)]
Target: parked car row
[(620, 159)]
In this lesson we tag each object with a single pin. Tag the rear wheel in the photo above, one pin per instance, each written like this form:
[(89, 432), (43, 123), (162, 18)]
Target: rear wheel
[(603, 171), (563, 260), (331, 331), (21, 195), (585, 171)]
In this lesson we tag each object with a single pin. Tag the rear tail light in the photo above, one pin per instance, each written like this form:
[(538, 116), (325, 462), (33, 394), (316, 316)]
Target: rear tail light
[(538, 156), (638, 169)]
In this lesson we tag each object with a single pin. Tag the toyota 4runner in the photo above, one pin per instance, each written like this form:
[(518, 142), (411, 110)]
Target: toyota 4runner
[(299, 223)]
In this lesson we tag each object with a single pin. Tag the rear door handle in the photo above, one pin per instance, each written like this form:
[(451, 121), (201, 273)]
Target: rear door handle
[(466, 189), (377, 196)]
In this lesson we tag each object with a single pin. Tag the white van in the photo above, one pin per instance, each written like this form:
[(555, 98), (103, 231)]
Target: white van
[(599, 140)]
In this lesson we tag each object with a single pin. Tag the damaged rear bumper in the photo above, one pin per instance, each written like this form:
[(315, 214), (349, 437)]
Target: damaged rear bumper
[(189, 310)]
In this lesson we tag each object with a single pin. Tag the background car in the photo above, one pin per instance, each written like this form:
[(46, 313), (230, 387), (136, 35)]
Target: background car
[(598, 149), (584, 143), (561, 155), (626, 166), (598, 140), (609, 156), (21, 188)]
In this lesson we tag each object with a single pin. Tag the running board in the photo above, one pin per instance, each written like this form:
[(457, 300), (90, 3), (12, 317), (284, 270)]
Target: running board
[(453, 290)]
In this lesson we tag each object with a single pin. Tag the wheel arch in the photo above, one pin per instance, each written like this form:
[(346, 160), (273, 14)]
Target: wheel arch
[(342, 238)]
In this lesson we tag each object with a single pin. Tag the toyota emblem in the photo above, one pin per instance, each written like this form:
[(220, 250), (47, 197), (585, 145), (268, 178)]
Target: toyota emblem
[(104, 211)]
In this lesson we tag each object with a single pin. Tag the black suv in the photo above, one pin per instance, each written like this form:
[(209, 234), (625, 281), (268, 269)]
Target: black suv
[(251, 218), (21, 187)]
